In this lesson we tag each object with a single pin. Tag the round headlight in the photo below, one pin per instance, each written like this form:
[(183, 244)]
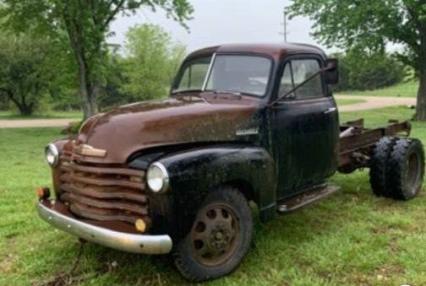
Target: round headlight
[(157, 178), (52, 155)]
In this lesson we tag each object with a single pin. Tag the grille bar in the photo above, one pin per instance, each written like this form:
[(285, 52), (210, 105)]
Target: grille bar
[(106, 193), (103, 193), (101, 214), (113, 205), (103, 182), (101, 170)]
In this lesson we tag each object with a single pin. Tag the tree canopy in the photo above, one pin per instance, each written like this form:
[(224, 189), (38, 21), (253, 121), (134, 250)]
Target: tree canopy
[(368, 70), (84, 25), (27, 73), (146, 68), (151, 62), (371, 25)]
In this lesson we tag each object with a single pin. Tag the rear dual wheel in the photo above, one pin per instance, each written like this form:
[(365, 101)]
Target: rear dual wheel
[(219, 239), (397, 168)]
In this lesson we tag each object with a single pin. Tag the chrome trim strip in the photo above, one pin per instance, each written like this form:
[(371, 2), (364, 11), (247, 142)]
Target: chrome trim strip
[(135, 243)]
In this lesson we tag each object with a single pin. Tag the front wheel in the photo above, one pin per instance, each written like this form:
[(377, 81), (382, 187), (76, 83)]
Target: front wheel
[(219, 239)]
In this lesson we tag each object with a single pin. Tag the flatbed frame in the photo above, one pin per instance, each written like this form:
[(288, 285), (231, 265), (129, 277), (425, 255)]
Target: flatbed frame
[(357, 142)]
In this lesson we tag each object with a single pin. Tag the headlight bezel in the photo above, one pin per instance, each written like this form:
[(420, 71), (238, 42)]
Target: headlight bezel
[(53, 150), (165, 179)]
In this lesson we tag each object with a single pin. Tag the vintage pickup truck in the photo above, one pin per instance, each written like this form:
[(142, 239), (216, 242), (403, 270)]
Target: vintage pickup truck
[(244, 123)]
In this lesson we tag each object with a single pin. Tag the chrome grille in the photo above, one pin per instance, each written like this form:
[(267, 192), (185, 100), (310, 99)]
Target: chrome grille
[(103, 193)]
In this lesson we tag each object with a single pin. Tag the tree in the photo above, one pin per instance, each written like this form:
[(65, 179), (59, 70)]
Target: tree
[(372, 25), (85, 26), (114, 81), (151, 62), (145, 70), (362, 70), (24, 77)]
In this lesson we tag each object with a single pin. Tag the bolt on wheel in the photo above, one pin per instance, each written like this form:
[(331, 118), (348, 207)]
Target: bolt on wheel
[(215, 234)]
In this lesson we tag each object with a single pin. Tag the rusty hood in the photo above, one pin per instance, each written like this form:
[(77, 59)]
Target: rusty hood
[(120, 133)]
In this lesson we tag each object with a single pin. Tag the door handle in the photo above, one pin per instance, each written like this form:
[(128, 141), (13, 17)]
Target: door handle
[(330, 110)]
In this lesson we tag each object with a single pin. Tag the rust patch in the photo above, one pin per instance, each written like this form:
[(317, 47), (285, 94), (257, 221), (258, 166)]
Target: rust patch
[(129, 129)]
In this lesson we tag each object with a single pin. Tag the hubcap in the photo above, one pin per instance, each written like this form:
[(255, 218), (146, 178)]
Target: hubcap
[(215, 234), (413, 173)]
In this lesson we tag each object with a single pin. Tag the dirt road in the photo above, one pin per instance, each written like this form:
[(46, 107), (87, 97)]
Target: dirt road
[(371, 102), (24, 123), (374, 102)]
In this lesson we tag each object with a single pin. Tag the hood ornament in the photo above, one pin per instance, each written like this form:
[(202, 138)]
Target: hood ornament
[(87, 150)]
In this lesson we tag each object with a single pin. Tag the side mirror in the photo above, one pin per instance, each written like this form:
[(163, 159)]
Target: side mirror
[(332, 71)]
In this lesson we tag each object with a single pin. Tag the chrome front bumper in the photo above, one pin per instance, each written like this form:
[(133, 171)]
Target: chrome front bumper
[(147, 244)]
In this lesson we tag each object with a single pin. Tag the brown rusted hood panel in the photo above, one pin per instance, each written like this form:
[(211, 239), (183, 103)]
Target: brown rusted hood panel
[(135, 127)]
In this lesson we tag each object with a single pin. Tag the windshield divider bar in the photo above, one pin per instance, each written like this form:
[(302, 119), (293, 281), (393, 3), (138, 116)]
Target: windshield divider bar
[(209, 70)]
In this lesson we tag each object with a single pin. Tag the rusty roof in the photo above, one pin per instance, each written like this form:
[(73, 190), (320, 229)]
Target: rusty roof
[(274, 50)]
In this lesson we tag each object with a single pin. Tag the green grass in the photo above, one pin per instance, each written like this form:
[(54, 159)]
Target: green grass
[(345, 101), (9, 115), (406, 89), (351, 238), (380, 117)]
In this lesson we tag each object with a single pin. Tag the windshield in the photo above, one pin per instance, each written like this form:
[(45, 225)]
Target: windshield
[(229, 73)]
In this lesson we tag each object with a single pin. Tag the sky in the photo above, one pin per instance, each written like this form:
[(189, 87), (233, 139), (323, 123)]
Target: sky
[(223, 21)]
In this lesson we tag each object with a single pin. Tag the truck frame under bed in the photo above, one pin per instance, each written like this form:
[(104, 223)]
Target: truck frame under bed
[(357, 142)]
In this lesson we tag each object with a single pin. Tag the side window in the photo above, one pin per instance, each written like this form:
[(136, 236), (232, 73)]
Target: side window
[(302, 70), (286, 83)]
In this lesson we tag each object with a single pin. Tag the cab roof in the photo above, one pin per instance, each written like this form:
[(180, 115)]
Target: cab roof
[(275, 51)]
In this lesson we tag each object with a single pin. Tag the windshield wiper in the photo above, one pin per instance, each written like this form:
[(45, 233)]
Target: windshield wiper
[(188, 94), (231, 92), (227, 91), (179, 92)]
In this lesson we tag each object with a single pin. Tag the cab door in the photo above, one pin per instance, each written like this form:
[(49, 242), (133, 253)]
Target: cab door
[(304, 128)]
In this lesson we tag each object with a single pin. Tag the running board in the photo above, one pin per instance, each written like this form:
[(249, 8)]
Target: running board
[(306, 198)]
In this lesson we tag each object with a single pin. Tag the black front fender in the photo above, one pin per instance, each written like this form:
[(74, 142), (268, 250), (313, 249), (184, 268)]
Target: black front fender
[(193, 173)]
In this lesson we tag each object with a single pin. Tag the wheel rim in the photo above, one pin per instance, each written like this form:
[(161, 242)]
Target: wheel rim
[(215, 234), (413, 173)]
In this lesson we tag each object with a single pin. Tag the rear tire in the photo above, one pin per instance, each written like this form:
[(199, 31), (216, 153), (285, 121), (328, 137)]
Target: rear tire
[(406, 169), (219, 239), (379, 165)]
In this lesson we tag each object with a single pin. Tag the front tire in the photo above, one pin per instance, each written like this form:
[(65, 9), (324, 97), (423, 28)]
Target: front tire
[(219, 239)]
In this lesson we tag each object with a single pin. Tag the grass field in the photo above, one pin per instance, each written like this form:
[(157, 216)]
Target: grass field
[(352, 238), (9, 115), (406, 89)]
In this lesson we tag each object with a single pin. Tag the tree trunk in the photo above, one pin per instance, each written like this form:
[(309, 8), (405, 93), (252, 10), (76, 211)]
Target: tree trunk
[(26, 110), (75, 35), (421, 97), (421, 93), (84, 92), (88, 98)]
